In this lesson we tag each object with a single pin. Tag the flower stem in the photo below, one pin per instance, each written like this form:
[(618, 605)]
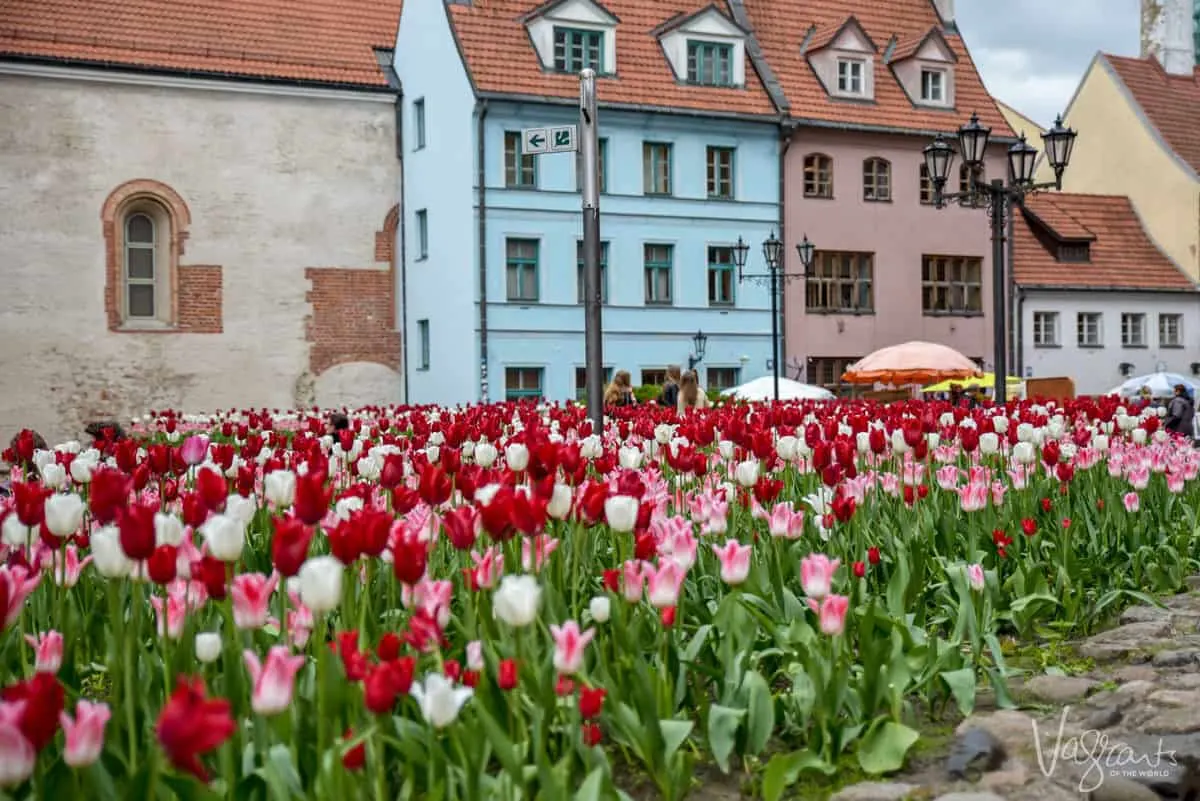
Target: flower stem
[(129, 667)]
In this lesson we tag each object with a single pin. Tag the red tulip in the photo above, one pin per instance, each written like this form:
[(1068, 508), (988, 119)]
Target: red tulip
[(191, 724), (289, 545)]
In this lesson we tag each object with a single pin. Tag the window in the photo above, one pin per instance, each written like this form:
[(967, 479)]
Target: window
[(926, 187), (965, 185), (1089, 331), (827, 371), (850, 76), (1075, 253), (422, 234), (722, 378), (522, 383), (818, 175), (423, 339), (840, 282), (603, 270), (521, 267), (142, 249), (877, 180), (656, 168), (1170, 330), (581, 381), (933, 86), (419, 124), (951, 285), (720, 276), (657, 260), (601, 157), (1133, 330), (1045, 329), (720, 172), (576, 50), (519, 170), (710, 64), (654, 377)]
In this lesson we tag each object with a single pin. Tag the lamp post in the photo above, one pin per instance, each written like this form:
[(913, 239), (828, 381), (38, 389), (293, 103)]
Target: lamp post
[(700, 343), (998, 197), (775, 278)]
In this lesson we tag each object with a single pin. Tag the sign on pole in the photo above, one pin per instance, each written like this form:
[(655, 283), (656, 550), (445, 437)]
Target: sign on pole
[(535, 141), (563, 139)]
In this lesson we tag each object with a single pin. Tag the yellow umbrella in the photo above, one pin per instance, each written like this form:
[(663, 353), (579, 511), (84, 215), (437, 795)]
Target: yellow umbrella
[(987, 380)]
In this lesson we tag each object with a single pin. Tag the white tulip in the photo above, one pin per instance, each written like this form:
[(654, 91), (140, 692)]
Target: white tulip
[(439, 699), (437, 438), (630, 458), (663, 433), (746, 473), (54, 475), (725, 448), (107, 555), (321, 584), (600, 608), (591, 447), (517, 601), (899, 443), (433, 453), (13, 532), (347, 506), (241, 509), (621, 512), (485, 494), (517, 457), (226, 537), (989, 443), (1023, 453), (1000, 424), (64, 514), (280, 487), (81, 470), (560, 502), (1100, 443), (208, 646), (485, 454), (168, 529)]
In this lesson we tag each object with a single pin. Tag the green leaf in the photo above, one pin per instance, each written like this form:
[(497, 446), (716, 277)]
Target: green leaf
[(962, 687), (100, 783), (884, 747), (674, 734), (281, 775), (784, 769), (723, 723), (760, 723), (500, 743), (592, 786)]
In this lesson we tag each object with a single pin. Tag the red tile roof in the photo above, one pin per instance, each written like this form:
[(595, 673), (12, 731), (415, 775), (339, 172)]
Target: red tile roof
[(780, 26), (1121, 253), (1170, 102), (502, 59), (310, 41)]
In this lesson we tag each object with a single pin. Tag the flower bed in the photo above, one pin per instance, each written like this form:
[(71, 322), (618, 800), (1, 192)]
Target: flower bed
[(494, 602)]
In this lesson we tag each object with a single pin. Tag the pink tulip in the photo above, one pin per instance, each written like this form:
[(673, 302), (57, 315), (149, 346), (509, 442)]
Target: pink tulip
[(18, 584), (816, 575), (1132, 502), (68, 567), (633, 580), (569, 643), (430, 597), (85, 734), (273, 682), (475, 655), (48, 650), (535, 552), (785, 521), (831, 613), (975, 577), (17, 756), (194, 449), (735, 561), (251, 593), (299, 621), (974, 496), (663, 583), (172, 616)]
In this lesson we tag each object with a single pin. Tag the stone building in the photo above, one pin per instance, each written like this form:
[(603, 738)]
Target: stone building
[(199, 213)]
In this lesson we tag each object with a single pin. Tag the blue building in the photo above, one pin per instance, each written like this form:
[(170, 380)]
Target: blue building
[(690, 157)]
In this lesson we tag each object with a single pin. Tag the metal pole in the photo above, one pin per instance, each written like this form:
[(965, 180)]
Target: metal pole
[(775, 327), (998, 208), (592, 285)]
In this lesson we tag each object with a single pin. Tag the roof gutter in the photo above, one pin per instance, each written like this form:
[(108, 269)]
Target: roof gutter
[(764, 118), (786, 129), (886, 129), (481, 110), (1106, 289)]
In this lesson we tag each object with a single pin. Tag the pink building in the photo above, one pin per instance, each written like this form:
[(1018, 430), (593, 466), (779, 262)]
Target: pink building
[(867, 84)]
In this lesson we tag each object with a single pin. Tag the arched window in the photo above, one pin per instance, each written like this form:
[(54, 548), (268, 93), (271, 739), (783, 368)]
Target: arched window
[(818, 175), (877, 179), (140, 267)]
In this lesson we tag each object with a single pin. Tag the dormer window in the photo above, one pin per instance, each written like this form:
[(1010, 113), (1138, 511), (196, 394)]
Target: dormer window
[(933, 86), (1075, 252), (709, 63), (576, 50), (850, 76)]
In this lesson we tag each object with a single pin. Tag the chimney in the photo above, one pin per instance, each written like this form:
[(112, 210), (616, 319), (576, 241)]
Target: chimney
[(945, 10), (1167, 34)]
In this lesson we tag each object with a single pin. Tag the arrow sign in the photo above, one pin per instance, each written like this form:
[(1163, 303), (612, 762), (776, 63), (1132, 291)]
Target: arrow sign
[(534, 141), (563, 139)]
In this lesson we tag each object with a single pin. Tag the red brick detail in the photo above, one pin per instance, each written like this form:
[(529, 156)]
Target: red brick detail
[(351, 318), (385, 239), (195, 290)]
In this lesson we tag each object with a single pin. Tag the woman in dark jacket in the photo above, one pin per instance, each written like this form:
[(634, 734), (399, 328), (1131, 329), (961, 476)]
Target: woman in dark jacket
[(1180, 413)]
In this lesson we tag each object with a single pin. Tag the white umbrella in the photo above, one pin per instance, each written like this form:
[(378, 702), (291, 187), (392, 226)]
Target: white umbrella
[(1161, 385), (763, 389)]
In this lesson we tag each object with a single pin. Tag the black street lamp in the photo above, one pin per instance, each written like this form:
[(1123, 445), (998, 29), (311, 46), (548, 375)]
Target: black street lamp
[(700, 343), (999, 198), (775, 278)]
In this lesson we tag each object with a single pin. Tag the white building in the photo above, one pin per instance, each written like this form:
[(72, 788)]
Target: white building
[(1097, 300), (197, 214)]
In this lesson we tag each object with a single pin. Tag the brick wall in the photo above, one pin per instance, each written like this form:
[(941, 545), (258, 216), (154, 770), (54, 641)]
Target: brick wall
[(200, 300), (350, 319)]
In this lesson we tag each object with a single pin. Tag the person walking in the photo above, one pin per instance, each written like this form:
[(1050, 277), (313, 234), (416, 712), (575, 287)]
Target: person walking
[(670, 390), (1181, 413), (690, 394), (620, 391)]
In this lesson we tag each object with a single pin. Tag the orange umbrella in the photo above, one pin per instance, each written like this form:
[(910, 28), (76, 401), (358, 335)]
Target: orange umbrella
[(911, 363)]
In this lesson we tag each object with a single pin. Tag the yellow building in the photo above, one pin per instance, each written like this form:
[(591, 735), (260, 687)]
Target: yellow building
[(1022, 124), (1139, 136)]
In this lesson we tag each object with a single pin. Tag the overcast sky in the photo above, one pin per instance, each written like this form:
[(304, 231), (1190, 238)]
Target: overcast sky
[(1032, 53)]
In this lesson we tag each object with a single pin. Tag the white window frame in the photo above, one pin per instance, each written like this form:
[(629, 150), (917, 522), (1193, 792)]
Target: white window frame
[(1046, 329), (163, 265), (1175, 341), (1133, 330), (846, 77), (1080, 321), (928, 86)]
